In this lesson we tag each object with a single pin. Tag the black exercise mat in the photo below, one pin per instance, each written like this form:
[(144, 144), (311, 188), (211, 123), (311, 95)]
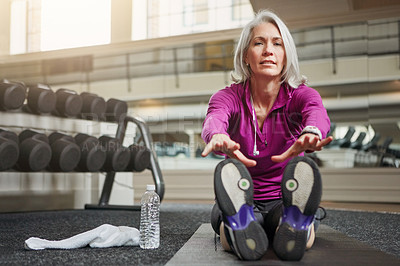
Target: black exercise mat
[(331, 248)]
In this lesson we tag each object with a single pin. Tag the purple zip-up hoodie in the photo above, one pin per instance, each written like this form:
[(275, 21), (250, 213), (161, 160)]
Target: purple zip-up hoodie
[(230, 112)]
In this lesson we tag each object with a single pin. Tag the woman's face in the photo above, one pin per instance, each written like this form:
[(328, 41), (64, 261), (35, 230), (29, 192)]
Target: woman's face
[(266, 53)]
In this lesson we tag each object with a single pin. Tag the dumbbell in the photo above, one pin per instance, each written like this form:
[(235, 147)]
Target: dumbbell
[(65, 152), (68, 103), (117, 156), (9, 150), (140, 158), (34, 151), (93, 155), (93, 107), (41, 99), (12, 95), (116, 110)]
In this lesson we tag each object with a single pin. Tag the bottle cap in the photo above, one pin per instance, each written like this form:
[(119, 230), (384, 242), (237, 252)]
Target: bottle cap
[(151, 187)]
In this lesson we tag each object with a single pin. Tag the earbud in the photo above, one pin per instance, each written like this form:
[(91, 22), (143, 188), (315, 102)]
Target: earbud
[(255, 153)]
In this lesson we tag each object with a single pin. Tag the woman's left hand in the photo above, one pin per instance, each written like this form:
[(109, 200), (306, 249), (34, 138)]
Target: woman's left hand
[(306, 142)]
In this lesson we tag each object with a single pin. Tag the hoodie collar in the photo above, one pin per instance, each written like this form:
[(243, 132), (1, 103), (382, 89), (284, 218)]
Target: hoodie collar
[(284, 95)]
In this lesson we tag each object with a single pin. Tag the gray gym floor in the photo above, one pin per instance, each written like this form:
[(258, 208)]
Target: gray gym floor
[(344, 238)]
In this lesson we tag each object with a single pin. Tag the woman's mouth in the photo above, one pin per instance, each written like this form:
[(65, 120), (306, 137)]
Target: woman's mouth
[(267, 62)]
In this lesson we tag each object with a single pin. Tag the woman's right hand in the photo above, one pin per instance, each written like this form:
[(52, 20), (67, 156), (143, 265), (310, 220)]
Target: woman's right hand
[(224, 144)]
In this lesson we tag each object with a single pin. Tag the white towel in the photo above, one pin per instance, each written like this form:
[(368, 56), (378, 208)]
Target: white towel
[(103, 236)]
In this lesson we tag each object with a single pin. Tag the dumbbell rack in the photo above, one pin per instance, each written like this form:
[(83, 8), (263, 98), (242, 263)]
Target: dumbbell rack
[(14, 94), (154, 167), (110, 176)]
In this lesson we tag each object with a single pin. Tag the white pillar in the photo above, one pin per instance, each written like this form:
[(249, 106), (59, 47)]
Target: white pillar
[(5, 21), (121, 21), (192, 143)]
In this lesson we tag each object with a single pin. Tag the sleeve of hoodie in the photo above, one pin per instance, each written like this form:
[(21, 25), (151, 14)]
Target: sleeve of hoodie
[(309, 104), (221, 108)]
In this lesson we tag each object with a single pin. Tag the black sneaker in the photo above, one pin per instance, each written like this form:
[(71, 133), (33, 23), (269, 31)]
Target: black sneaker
[(301, 195), (233, 188)]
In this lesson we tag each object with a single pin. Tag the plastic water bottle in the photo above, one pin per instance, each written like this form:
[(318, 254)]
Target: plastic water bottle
[(149, 219)]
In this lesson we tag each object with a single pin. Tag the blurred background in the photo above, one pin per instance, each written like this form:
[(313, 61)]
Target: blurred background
[(165, 58)]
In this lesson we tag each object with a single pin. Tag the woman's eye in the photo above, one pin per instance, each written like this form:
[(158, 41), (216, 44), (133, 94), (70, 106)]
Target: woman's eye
[(258, 43), (278, 43)]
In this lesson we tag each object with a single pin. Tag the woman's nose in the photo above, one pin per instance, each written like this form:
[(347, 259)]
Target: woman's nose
[(267, 50)]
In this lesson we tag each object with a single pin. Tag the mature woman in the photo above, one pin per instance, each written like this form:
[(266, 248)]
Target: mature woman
[(265, 119)]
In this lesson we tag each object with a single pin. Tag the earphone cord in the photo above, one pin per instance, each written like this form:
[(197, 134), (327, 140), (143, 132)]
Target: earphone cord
[(255, 152)]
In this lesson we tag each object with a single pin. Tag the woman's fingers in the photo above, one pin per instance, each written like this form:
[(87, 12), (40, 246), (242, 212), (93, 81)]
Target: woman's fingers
[(215, 144), (224, 144), (207, 149), (246, 161), (307, 143), (289, 153), (230, 146), (325, 141), (232, 150)]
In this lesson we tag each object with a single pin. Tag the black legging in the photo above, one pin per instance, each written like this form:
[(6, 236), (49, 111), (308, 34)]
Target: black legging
[(267, 213)]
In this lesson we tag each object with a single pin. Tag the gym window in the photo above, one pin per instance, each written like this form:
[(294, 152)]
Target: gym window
[(43, 25)]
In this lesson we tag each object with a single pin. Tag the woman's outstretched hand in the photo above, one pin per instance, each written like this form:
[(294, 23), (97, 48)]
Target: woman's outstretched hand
[(307, 142), (224, 144)]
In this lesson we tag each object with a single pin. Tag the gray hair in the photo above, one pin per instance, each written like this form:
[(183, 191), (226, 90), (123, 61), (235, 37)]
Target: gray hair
[(291, 72)]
